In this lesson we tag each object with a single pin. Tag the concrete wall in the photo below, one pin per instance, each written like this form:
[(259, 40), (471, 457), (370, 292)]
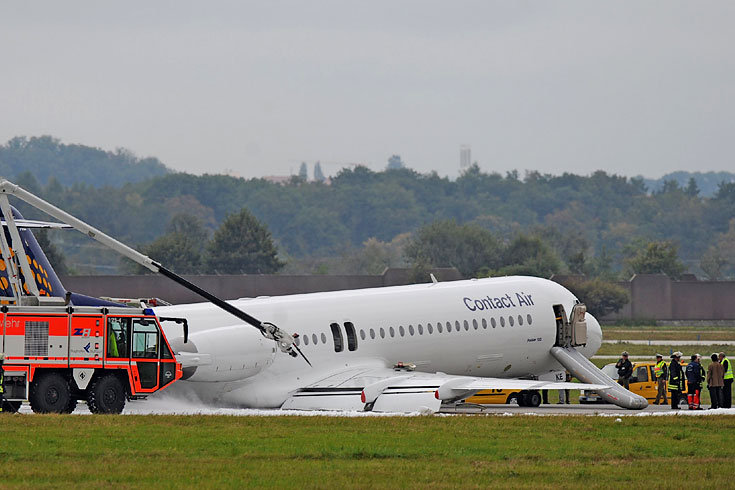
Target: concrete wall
[(652, 296), (233, 287), (657, 297)]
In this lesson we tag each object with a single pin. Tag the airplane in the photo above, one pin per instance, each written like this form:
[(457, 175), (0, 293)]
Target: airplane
[(409, 348)]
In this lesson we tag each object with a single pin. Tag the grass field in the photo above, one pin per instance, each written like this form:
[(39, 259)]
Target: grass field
[(375, 452), (651, 350), (668, 333)]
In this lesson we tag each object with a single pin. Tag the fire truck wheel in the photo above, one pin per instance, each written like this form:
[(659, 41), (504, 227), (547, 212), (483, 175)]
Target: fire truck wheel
[(50, 394), (72, 405), (106, 395), (11, 407)]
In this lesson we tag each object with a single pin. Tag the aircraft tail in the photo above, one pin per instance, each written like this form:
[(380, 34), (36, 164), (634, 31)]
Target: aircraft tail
[(44, 276)]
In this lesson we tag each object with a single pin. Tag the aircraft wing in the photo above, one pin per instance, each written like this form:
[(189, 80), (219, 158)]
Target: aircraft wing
[(388, 390)]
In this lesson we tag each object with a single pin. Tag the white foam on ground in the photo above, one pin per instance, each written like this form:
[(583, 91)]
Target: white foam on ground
[(165, 404)]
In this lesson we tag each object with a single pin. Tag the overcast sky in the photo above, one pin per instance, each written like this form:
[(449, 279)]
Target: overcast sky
[(628, 87)]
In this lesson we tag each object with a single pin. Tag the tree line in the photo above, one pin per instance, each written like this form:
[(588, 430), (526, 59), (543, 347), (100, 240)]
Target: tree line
[(590, 220)]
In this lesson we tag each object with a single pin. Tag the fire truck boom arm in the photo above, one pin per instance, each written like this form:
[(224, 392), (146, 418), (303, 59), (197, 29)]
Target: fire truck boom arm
[(284, 340), (7, 187)]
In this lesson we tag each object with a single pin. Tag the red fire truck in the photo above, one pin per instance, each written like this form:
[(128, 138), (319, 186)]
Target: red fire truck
[(57, 355)]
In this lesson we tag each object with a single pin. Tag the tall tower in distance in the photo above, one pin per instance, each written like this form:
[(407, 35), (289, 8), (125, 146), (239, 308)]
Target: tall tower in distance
[(465, 157)]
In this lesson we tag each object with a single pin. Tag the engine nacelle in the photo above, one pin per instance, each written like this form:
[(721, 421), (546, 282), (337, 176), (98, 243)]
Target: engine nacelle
[(233, 353)]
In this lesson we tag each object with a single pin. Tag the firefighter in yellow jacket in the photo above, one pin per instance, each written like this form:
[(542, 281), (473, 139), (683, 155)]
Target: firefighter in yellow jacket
[(2, 380), (661, 370)]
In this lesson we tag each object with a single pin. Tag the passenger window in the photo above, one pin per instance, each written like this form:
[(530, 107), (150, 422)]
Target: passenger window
[(410, 329), (474, 324), (351, 336), (362, 334), (510, 321), (642, 374), (337, 335), (420, 329), (145, 339), (382, 333), (324, 338), (392, 331), (529, 319), (466, 325), (306, 340), (118, 334), (429, 328), (313, 339), (439, 327), (484, 324), (372, 333), (502, 321), (449, 327), (520, 320), (493, 323), (456, 325), (401, 330), (297, 341)]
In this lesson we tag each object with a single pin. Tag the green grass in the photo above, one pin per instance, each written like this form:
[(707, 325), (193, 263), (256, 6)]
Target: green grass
[(390, 452), (668, 333), (651, 350)]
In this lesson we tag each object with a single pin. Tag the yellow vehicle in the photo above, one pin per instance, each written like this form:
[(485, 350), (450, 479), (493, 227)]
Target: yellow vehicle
[(643, 382), (523, 398)]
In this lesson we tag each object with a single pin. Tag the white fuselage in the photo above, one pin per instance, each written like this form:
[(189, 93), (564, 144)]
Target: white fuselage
[(500, 327)]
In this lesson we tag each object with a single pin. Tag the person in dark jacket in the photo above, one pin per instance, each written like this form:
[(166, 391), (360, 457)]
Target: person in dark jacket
[(694, 373), (715, 382), (676, 379), (625, 370)]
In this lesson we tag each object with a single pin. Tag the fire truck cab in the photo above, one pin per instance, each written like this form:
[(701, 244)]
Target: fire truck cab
[(58, 355)]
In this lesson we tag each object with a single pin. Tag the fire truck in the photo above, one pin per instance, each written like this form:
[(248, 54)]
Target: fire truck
[(58, 355)]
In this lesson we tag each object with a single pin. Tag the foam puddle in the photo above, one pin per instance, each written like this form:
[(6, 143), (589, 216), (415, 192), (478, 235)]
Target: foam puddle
[(177, 405)]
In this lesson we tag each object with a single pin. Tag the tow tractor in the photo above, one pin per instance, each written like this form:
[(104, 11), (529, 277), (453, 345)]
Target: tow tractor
[(57, 353)]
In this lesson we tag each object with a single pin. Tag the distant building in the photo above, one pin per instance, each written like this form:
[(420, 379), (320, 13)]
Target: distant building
[(278, 179), (395, 162), (465, 157)]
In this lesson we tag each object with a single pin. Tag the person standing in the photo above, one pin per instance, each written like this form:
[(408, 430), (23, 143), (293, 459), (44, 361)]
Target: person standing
[(727, 388), (694, 382), (715, 382), (625, 370), (2, 380), (676, 379), (661, 372)]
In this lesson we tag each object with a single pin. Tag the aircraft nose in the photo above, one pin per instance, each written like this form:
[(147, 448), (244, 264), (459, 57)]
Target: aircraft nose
[(594, 336)]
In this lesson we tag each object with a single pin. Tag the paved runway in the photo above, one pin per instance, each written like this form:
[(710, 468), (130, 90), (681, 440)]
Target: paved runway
[(671, 342)]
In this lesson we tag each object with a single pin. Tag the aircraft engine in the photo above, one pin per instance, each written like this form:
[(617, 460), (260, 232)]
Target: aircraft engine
[(224, 354)]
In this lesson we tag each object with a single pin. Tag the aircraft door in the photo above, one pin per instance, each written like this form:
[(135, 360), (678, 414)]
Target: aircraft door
[(145, 348)]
